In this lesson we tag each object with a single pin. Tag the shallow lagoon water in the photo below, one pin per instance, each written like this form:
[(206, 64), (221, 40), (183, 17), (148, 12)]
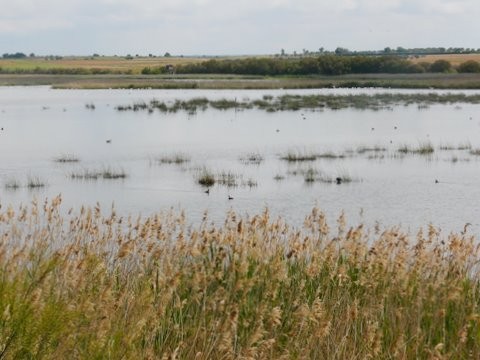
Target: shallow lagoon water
[(41, 124)]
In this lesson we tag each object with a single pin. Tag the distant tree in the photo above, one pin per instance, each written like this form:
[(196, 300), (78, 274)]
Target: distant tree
[(282, 52), (425, 65), (470, 66), (129, 57), (387, 50), (440, 66), (17, 55), (96, 55), (31, 55), (341, 51), (167, 54)]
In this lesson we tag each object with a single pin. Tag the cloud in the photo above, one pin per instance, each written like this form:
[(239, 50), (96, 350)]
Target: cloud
[(228, 26)]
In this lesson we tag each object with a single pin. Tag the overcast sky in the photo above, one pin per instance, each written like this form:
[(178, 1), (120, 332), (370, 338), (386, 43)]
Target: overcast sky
[(188, 27)]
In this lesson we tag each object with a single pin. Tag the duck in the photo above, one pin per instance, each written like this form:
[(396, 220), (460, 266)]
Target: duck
[(230, 197), (207, 191), (109, 141)]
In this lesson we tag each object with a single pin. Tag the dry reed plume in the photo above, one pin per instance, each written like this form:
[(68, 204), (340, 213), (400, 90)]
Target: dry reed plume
[(88, 285)]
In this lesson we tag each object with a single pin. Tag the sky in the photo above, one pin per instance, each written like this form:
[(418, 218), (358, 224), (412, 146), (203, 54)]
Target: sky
[(227, 27)]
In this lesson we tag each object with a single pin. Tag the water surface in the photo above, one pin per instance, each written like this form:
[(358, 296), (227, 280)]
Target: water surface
[(41, 124)]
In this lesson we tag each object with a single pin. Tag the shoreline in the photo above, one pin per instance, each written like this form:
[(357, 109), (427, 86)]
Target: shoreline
[(235, 82)]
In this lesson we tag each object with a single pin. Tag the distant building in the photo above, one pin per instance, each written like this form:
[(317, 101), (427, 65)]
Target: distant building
[(170, 69)]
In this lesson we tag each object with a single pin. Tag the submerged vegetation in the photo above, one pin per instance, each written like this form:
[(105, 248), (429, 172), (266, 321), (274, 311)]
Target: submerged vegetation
[(107, 173), (206, 178), (424, 148), (93, 285), (67, 158), (298, 156), (176, 158), (31, 183), (12, 184), (34, 182), (224, 178), (252, 158), (309, 102)]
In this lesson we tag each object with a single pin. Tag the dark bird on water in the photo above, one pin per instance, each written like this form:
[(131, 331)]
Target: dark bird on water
[(338, 180), (109, 141), (207, 191), (373, 128), (230, 197), (436, 181)]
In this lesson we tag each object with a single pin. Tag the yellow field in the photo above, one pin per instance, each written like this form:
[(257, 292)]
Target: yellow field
[(107, 63), (455, 59)]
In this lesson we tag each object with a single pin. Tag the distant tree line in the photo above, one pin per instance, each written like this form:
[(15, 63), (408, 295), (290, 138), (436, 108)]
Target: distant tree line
[(17, 55), (322, 65), (386, 51), (326, 64)]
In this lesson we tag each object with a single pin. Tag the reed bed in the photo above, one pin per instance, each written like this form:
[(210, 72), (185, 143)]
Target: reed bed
[(94, 285)]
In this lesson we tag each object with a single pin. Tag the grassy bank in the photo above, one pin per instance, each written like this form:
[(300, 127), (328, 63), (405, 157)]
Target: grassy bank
[(100, 286), (407, 81)]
